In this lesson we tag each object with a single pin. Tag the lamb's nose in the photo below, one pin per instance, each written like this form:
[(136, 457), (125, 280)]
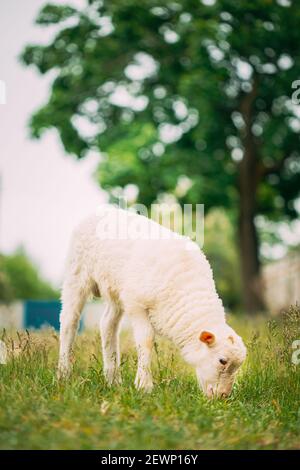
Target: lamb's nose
[(224, 395)]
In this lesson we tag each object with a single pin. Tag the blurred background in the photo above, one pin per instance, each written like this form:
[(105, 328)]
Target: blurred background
[(194, 101)]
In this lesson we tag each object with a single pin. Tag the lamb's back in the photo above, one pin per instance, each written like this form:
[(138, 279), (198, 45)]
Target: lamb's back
[(140, 268)]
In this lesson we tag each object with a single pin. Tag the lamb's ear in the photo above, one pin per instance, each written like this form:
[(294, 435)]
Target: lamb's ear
[(207, 337)]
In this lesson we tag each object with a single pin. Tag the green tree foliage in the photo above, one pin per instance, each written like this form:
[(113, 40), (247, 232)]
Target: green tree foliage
[(195, 88), (20, 279), (220, 249)]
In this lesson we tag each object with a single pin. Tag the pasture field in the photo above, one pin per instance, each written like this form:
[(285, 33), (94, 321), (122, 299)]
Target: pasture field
[(38, 412)]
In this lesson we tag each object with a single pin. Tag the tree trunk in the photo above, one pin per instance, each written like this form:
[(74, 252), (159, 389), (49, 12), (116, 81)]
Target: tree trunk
[(248, 240)]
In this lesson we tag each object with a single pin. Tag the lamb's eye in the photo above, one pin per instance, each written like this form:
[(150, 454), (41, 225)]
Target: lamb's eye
[(223, 362)]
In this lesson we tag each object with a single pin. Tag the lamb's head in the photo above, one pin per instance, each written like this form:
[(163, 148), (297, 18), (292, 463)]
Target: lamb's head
[(221, 354)]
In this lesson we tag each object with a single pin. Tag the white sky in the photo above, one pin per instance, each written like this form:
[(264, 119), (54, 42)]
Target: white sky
[(44, 192)]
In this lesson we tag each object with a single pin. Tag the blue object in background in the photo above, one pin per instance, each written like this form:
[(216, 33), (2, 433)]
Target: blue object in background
[(43, 313), (40, 313)]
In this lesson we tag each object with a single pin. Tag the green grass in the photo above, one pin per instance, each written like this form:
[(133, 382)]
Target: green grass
[(38, 412)]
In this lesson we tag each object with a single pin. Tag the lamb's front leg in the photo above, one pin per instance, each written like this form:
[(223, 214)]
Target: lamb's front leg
[(144, 338)]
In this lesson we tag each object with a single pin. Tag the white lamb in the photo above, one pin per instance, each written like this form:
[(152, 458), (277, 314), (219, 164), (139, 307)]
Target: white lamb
[(163, 283)]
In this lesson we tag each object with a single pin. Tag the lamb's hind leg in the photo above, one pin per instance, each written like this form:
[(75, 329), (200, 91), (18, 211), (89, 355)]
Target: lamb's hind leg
[(73, 299), (109, 329)]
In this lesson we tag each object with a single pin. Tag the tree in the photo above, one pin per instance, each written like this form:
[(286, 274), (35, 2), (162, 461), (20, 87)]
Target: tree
[(195, 88), (20, 279)]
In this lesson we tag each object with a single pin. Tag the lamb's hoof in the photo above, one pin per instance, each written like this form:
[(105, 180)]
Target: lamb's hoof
[(63, 372), (113, 378), (143, 384)]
